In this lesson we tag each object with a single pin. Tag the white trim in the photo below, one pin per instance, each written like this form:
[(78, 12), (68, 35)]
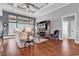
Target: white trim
[(53, 10), (60, 38), (44, 8), (75, 14), (76, 26), (76, 42), (69, 15)]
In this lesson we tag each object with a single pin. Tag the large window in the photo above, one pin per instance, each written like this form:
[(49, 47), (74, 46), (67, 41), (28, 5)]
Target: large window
[(25, 22), (19, 22), (12, 27), (12, 24)]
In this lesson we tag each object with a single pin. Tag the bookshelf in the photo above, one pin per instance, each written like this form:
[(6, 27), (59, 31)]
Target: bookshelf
[(43, 27)]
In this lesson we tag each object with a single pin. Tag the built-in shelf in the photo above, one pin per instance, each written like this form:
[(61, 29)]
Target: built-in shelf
[(43, 27)]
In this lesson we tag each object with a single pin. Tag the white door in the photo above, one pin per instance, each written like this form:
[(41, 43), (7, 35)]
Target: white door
[(72, 29), (65, 29)]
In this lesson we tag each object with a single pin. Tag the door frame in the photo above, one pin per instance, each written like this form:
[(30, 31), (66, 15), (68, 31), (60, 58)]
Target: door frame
[(68, 15)]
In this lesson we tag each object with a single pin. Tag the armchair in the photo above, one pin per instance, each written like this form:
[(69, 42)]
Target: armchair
[(55, 35), (22, 38)]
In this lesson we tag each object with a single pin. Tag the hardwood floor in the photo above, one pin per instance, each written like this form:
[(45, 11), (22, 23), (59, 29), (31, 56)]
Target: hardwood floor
[(47, 48)]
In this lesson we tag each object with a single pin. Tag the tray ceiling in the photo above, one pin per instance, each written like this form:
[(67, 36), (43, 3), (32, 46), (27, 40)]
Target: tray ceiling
[(30, 9)]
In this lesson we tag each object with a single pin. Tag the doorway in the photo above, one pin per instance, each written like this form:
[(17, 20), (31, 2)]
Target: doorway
[(65, 29), (69, 26)]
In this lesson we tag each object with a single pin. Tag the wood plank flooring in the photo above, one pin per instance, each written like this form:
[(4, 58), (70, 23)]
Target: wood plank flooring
[(47, 48)]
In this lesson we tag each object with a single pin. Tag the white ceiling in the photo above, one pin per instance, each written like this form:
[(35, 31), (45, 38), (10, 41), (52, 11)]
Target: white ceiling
[(31, 9), (28, 7)]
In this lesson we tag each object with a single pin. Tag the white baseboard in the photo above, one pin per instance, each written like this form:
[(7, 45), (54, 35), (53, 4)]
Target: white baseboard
[(77, 42), (60, 38)]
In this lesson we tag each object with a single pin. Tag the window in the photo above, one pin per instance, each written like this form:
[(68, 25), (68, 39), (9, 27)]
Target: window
[(24, 22), (19, 22), (12, 25)]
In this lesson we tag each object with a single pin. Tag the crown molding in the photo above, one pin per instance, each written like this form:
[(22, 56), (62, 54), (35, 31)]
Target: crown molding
[(51, 9)]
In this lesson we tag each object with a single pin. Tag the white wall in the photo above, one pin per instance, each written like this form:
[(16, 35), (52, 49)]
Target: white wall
[(55, 17)]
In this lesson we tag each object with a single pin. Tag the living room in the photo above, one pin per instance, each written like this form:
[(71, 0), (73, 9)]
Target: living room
[(39, 29)]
